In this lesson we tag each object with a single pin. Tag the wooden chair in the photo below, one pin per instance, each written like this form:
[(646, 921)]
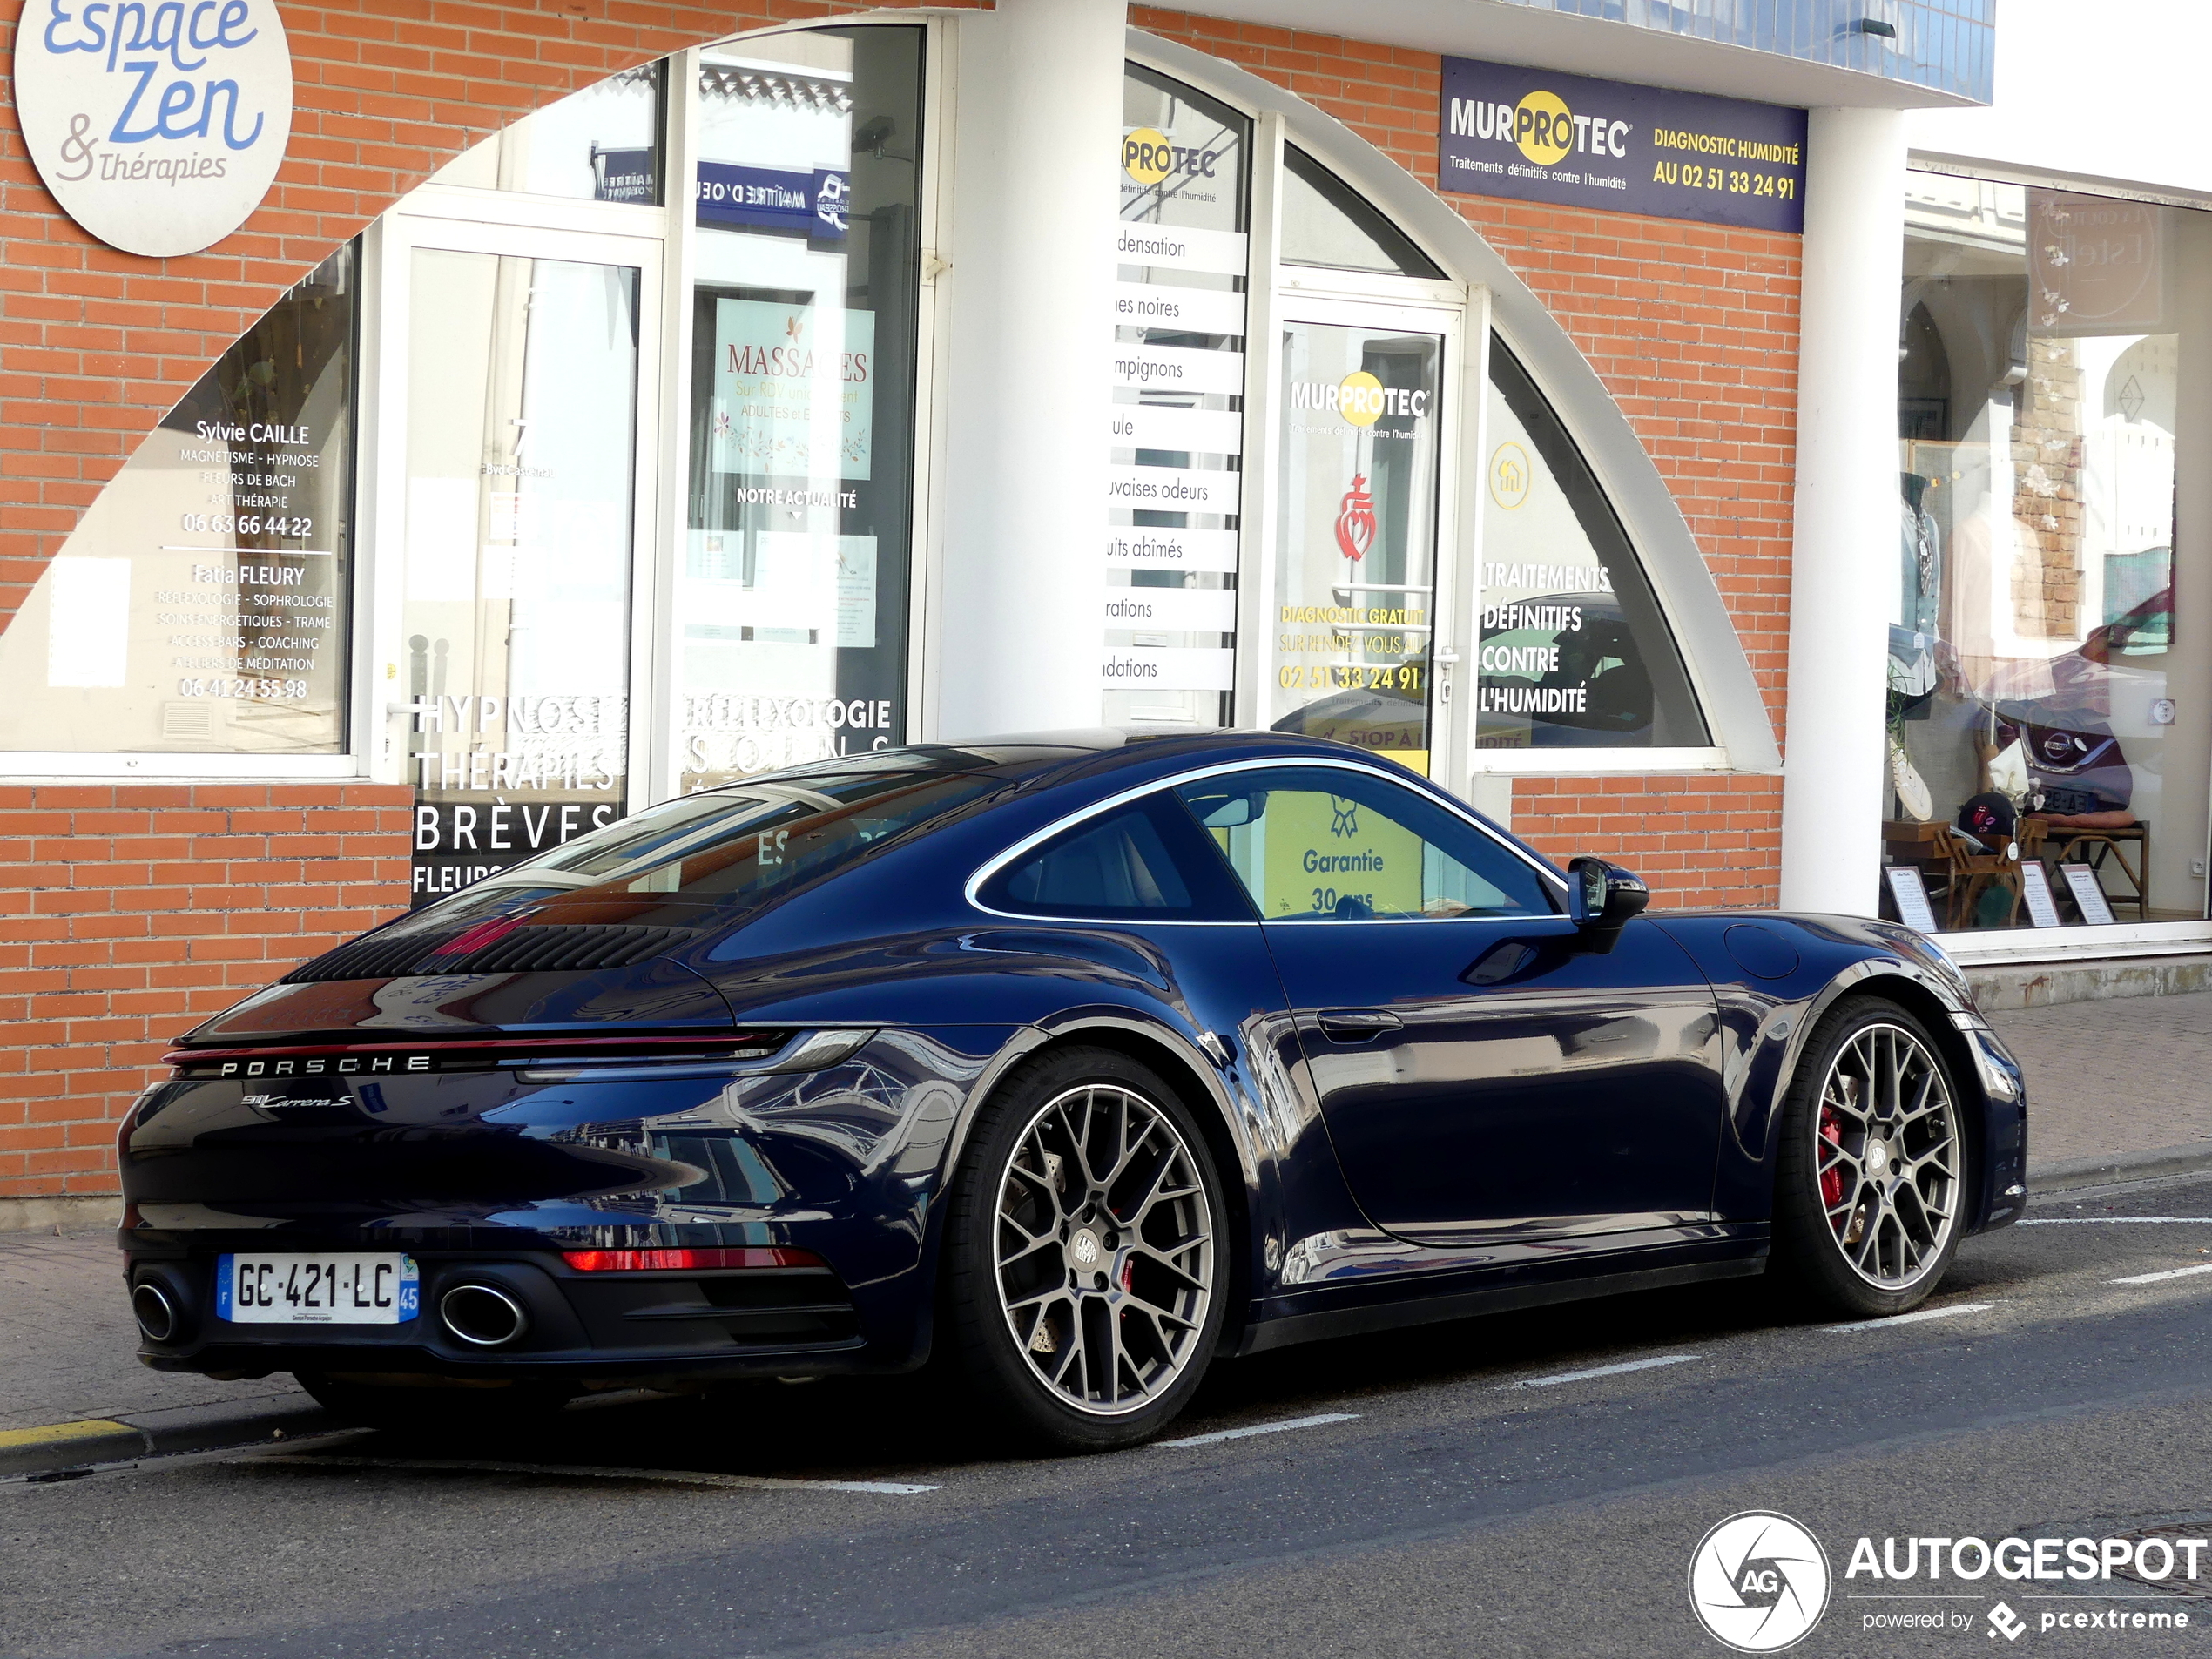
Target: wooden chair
[(1972, 872), (2096, 848)]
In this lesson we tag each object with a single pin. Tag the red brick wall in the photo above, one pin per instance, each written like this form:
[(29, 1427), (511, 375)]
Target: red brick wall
[(1694, 330), (134, 911)]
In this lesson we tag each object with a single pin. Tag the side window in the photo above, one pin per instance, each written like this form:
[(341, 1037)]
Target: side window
[(1143, 863), (1326, 843)]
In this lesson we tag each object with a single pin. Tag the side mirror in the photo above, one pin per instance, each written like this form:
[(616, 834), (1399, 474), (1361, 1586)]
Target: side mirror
[(1603, 898)]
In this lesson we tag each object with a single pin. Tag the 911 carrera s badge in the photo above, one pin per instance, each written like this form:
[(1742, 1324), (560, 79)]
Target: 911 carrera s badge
[(1356, 520)]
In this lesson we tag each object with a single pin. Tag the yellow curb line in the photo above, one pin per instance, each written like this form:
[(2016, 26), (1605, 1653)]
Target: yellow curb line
[(88, 1429)]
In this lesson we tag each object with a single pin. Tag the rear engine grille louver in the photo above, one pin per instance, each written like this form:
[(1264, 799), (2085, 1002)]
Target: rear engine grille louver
[(525, 950), (375, 957)]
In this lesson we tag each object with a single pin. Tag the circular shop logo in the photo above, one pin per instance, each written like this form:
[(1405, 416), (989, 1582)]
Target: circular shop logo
[(1759, 1581), (1543, 127), (1360, 398), (1510, 476), (1146, 155), (158, 127)]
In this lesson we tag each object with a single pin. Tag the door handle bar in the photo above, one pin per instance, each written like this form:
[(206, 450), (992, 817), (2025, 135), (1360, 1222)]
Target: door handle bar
[(1357, 1025)]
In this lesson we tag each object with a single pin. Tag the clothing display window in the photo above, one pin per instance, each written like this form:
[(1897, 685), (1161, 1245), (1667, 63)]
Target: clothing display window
[(2049, 655)]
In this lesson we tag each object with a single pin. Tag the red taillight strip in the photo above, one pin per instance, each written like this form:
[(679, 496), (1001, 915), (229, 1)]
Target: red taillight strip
[(680, 1261), (465, 1045)]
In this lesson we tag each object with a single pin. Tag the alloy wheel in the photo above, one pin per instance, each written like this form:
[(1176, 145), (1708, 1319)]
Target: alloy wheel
[(1888, 1156), (1105, 1249)]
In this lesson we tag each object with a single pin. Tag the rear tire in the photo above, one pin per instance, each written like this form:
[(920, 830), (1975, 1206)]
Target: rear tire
[(1086, 1264), (428, 1410), (1870, 1179)]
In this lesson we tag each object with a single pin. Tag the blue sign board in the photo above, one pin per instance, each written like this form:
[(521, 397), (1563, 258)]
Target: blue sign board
[(625, 175), (778, 199), (1533, 135)]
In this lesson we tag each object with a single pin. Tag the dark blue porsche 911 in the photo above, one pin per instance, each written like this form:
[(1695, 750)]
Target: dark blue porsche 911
[(1064, 1064)]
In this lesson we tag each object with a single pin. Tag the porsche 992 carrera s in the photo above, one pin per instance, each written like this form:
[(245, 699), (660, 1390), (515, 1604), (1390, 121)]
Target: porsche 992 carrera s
[(1065, 1064)]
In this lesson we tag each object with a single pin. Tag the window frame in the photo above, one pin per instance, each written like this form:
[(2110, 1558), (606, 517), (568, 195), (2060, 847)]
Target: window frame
[(1702, 630), (1214, 886), (973, 889), (1301, 920)]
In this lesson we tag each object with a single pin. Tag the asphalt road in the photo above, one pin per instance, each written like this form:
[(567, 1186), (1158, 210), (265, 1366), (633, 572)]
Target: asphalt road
[(1457, 1501)]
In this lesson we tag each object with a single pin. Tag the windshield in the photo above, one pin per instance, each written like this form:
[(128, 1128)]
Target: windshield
[(743, 845)]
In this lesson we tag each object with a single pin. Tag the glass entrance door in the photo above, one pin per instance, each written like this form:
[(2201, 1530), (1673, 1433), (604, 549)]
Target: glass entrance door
[(510, 647), (1363, 409)]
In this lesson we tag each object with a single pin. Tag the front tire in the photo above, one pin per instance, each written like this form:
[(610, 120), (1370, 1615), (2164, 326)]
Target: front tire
[(1872, 1178), (1086, 1270)]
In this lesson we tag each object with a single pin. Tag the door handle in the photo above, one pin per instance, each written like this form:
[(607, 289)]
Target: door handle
[(1357, 1025)]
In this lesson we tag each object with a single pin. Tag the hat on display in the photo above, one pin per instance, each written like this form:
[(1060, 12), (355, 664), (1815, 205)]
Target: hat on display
[(1989, 818)]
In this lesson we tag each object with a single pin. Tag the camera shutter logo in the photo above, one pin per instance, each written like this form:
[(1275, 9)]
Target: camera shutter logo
[(158, 127), (1759, 1581)]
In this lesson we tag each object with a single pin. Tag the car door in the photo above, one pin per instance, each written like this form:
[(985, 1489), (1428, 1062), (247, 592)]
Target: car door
[(1483, 1070)]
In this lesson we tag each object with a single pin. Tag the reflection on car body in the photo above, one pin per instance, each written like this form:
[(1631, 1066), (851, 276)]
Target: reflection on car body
[(1069, 1064)]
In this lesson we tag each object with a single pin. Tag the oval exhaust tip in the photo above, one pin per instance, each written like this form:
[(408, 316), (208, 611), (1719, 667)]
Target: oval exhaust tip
[(156, 1314), (483, 1316)]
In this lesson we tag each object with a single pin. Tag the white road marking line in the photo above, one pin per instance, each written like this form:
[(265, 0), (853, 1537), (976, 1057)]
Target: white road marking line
[(1602, 1370), (2116, 1221), (1221, 1434), (2171, 1272), (1910, 1318), (679, 1477)]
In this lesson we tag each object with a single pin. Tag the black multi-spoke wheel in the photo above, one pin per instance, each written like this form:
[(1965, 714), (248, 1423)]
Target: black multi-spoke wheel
[(1872, 1175), (1084, 1253)]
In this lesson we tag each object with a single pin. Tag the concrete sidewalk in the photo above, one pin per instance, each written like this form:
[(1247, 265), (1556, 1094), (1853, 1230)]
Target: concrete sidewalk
[(71, 1358), (2116, 1089), (2123, 1085)]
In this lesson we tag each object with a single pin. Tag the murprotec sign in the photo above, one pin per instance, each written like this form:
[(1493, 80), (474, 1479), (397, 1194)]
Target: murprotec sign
[(1535, 136), (159, 125)]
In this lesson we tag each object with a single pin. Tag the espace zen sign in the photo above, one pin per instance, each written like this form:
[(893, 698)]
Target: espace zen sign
[(1534, 136), (159, 125)]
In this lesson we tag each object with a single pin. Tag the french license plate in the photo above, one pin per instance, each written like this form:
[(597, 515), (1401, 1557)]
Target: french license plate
[(338, 1287)]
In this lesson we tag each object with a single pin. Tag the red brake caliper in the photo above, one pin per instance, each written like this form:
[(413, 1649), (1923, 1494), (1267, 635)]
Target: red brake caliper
[(1831, 1179)]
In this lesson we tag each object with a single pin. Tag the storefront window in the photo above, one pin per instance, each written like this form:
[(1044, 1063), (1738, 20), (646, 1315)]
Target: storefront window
[(521, 440), (204, 603), (1175, 491), (2050, 639), (1576, 653), (1355, 554), (602, 144), (791, 590), (1326, 222)]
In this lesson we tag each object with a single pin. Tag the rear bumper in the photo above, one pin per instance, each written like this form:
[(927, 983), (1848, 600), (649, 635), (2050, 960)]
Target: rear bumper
[(581, 1327), (487, 1176)]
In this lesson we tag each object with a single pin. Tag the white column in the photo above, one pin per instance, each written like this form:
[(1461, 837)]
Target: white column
[(1037, 130), (1844, 556)]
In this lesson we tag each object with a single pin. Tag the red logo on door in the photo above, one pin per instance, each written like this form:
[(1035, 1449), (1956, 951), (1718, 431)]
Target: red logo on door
[(1356, 520)]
